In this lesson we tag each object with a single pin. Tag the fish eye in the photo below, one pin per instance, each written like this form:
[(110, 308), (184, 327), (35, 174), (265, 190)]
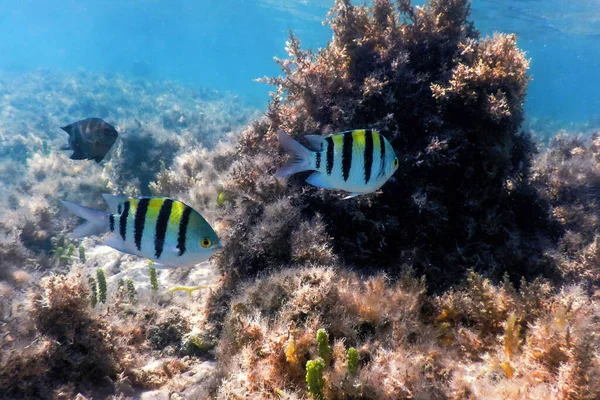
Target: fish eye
[(206, 243), (395, 163)]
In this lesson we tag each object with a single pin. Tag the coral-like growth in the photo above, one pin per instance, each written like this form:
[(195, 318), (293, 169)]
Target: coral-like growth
[(82, 257), (153, 280), (94, 291), (102, 288), (352, 360), (450, 103), (126, 291), (314, 378), (324, 350)]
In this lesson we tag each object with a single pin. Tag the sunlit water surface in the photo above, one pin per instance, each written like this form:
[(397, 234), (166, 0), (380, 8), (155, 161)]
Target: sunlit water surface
[(226, 44)]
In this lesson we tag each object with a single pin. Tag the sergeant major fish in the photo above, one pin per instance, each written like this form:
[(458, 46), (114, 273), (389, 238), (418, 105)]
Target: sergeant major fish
[(358, 161), (163, 230), (90, 139)]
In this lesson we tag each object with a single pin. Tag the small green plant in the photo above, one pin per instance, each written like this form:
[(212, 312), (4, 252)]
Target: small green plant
[(126, 291), (323, 345), (94, 287), (82, 254), (58, 241), (131, 292), (102, 288), (153, 280), (352, 360), (197, 342), (63, 250), (221, 199), (314, 377)]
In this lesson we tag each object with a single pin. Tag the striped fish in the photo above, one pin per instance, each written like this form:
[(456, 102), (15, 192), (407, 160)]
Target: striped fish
[(358, 161), (163, 230)]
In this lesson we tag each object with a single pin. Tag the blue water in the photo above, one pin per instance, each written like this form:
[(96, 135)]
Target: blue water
[(225, 44)]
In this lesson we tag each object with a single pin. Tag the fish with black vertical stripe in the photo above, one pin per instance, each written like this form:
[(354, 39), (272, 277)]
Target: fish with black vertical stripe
[(166, 231), (358, 161)]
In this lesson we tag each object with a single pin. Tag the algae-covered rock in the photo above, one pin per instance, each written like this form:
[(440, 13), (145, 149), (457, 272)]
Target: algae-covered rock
[(450, 103)]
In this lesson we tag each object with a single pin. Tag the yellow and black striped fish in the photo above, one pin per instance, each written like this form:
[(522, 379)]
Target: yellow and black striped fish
[(358, 161), (163, 230)]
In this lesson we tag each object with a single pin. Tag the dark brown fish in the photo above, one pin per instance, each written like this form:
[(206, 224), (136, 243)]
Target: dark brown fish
[(90, 139)]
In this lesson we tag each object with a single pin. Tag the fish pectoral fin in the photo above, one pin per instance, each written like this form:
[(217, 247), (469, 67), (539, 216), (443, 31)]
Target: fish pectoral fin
[(351, 195), (317, 179)]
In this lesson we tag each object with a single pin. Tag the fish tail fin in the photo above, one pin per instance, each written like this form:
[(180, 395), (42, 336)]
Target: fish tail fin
[(300, 160), (96, 221)]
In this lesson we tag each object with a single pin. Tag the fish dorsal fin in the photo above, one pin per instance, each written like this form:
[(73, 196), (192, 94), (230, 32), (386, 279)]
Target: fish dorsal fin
[(315, 142), (68, 129), (114, 201)]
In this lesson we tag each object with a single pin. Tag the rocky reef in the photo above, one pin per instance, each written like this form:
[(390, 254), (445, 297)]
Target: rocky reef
[(472, 274), (471, 207), (450, 103)]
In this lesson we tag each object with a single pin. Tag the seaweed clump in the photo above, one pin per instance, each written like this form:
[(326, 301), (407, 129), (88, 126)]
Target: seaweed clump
[(477, 341), (71, 348), (449, 102), (567, 176)]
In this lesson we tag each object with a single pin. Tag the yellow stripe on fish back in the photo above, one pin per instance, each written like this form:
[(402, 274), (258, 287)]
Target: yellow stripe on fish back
[(358, 139), (176, 213), (338, 142), (153, 209), (133, 202), (376, 140)]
